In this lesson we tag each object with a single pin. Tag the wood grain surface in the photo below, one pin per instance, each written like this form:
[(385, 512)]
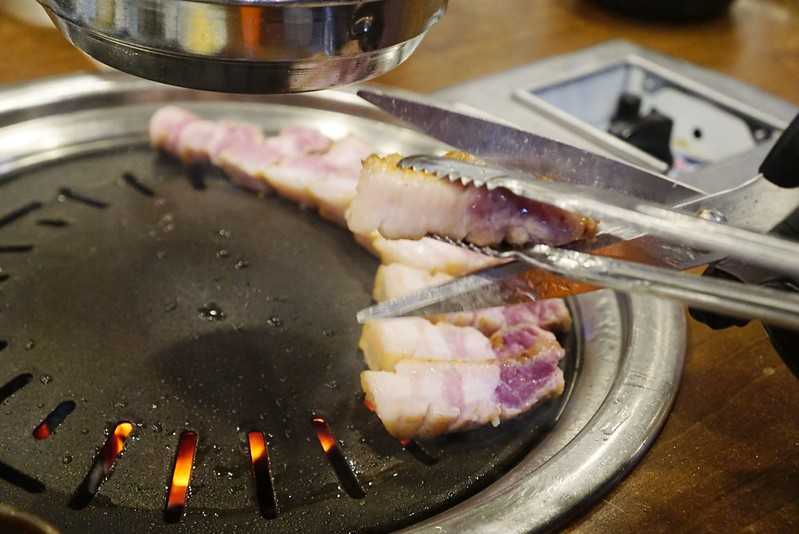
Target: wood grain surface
[(728, 458)]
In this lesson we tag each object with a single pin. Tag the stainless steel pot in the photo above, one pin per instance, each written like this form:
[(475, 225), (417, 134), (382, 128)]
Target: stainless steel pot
[(248, 46)]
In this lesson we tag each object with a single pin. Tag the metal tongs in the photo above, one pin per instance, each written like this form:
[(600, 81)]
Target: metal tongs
[(651, 227)]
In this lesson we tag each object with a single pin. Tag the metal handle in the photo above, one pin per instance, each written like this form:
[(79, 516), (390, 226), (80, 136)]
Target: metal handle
[(677, 227), (713, 294)]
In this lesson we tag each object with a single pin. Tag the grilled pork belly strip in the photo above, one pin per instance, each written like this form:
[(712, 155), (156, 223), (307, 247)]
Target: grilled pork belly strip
[(550, 314), (405, 204), (387, 342), (425, 399), (397, 280), (300, 163)]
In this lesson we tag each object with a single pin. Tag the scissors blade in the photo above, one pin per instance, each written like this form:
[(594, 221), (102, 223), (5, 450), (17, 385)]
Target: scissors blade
[(512, 283), (515, 149), (757, 205)]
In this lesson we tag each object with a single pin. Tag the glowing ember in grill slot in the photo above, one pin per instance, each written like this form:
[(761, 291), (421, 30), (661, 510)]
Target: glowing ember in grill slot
[(103, 466), (181, 477), (53, 420), (15, 384), (133, 181), (20, 479), (15, 249), (19, 213), (262, 471), (341, 466), (68, 193)]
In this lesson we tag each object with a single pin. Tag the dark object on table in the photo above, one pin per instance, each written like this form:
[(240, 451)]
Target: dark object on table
[(781, 167), (650, 133), (674, 10)]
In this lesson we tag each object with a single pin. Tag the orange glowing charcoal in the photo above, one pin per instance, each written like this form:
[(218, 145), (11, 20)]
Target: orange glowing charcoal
[(259, 455), (323, 433), (405, 442), (181, 476), (42, 431), (102, 466), (346, 476), (257, 446)]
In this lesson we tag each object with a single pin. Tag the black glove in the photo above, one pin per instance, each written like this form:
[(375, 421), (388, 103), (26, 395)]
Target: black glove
[(780, 167)]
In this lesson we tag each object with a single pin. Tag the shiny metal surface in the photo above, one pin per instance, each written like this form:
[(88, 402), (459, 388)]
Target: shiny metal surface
[(516, 149), (630, 348), (248, 46), (638, 217), (489, 288)]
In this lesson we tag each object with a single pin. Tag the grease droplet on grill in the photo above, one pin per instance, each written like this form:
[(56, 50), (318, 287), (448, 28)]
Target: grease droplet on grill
[(45, 379), (67, 459), (222, 253), (211, 312), (225, 234), (328, 333), (30, 344), (241, 264), (161, 254), (274, 321)]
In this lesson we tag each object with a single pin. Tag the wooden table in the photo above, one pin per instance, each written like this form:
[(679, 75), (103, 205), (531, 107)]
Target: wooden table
[(728, 458)]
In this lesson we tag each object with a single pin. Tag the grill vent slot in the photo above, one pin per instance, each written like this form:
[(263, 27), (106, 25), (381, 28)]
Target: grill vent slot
[(53, 420), (20, 479), (133, 181), (103, 466), (344, 472), (262, 471), (68, 194), (53, 223), (15, 249), (181, 477), (19, 213), (15, 384)]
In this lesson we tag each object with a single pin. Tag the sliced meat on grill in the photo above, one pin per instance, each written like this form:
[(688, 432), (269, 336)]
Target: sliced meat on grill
[(385, 342), (296, 178), (166, 125), (397, 280), (300, 163), (425, 399), (388, 341), (405, 204), (427, 254), (550, 314)]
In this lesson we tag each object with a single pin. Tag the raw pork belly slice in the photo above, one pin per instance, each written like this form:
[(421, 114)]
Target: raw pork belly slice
[(397, 280), (549, 314), (404, 204), (425, 399)]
